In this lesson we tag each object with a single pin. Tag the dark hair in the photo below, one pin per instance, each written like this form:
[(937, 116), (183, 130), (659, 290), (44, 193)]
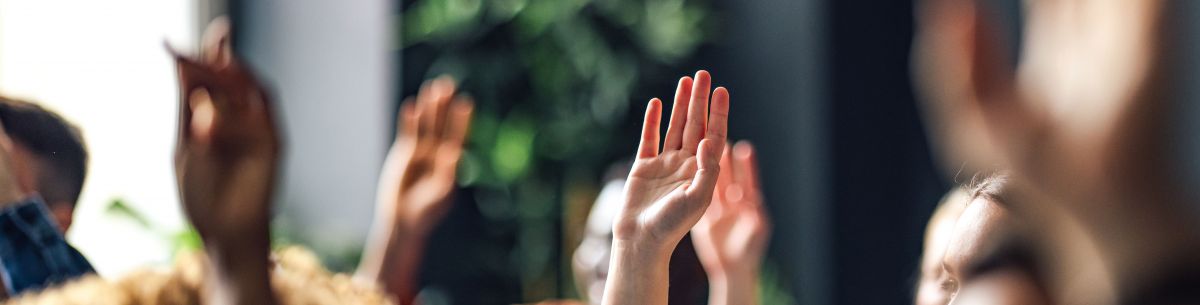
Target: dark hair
[(57, 144)]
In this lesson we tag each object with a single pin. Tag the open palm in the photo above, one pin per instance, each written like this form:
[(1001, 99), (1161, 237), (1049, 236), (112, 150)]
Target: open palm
[(732, 236), (668, 191), (418, 176)]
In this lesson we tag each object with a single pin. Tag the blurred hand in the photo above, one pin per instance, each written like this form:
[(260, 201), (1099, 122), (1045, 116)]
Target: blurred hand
[(1082, 123), (666, 192), (732, 235), (415, 186), (418, 175), (228, 147)]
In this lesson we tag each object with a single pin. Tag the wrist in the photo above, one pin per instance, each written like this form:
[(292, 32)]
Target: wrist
[(733, 286), (638, 274), (238, 274), (732, 274)]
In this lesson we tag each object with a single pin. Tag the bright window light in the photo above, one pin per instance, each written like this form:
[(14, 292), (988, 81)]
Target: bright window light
[(101, 64)]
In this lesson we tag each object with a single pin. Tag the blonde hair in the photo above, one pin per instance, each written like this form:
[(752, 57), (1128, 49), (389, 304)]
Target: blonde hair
[(298, 278)]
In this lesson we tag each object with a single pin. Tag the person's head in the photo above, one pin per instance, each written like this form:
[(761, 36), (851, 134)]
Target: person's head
[(933, 286), (591, 258), (985, 254), (50, 153)]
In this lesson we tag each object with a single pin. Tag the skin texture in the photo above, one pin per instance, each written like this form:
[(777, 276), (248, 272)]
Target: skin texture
[(1081, 123), (731, 238), (590, 262), (934, 286), (225, 164), (415, 185), (667, 192), (984, 226), (62, 211)]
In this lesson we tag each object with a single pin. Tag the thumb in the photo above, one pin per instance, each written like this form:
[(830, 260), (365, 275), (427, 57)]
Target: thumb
[(708, 160)]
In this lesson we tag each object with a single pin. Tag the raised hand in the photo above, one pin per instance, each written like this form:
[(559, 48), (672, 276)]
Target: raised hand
[(225, 166), (732, 236), (227, 149), (415, 186), (1082, 123), (418, 175), (667, 192)]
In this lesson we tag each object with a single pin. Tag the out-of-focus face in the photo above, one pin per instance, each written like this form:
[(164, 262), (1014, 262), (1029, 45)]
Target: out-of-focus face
[(590, 263), (27, 166), (981, 229), (933, 286)]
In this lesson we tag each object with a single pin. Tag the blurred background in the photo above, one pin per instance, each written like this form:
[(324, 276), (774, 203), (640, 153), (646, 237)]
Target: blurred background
[(822, 88)]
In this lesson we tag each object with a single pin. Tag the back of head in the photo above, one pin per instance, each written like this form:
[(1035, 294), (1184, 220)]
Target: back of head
[(55, 144)]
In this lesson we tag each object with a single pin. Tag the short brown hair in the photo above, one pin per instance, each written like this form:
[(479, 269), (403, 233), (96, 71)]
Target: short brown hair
[(57, 143)]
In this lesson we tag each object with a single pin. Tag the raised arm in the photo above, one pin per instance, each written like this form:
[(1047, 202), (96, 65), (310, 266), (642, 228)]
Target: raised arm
[(732, 236), (415, 185), (225, 166), (667, 191)]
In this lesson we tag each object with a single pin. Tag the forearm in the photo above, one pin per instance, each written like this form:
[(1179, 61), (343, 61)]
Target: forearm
[(733, 287), (239, 274), (637, 274), (392, 258)]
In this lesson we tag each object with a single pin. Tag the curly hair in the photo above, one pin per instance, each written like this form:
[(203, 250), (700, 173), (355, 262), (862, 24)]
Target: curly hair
[(298, 278)]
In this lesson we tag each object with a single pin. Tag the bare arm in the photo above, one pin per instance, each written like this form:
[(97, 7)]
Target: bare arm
[(667, 191), (415, 186), (225, 165), (732, 236)]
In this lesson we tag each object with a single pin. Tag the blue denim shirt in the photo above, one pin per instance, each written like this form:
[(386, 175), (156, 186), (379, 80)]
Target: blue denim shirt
[(35, 255)]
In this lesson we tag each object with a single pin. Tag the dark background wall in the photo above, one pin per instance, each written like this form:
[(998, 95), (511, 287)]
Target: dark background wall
[(884, 182)]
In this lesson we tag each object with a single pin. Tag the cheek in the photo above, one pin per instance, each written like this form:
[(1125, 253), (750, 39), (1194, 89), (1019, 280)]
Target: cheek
[(24, 169)]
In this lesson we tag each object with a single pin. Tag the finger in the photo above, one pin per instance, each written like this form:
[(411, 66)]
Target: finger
[(675, 127), (708, 161), (648, 148), (204, 117), (215, 46), (459, 122), (444, 86), (725, 180), (718, 116), (433, 94), (747, 165), (407, 125), (697, 115), (192, 76), (192, 73)]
